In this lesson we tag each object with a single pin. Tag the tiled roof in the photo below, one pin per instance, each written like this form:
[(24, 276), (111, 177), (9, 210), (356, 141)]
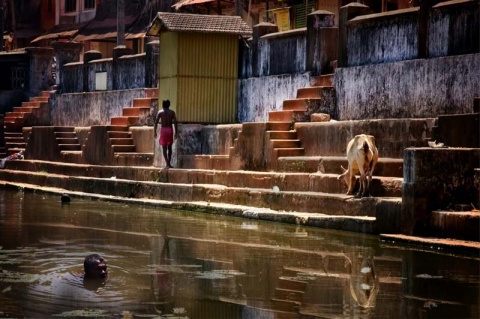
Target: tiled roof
[(182, 22)]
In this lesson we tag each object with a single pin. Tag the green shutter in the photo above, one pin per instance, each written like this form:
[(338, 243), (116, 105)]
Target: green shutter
[(300, 16)]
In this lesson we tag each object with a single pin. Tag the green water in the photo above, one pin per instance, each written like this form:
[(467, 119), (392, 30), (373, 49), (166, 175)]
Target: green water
[(174, 264)]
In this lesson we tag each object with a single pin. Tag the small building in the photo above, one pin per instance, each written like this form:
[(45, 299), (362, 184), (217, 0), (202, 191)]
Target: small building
[(198, 64)]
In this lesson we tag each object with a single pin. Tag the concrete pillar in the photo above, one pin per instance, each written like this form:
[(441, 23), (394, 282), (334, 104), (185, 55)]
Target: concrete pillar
[(347, 13), (152, 64), (425, 8), (259, 30), (88, 78), (118, 52), (66, 52), (319, 51), (40, 70), (436, 179)]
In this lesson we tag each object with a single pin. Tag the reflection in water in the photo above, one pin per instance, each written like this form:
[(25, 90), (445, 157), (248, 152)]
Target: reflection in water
[(172, 264)]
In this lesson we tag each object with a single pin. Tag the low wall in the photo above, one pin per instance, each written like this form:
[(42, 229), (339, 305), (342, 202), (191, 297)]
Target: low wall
[(259, 95), (197, 139), (391, 136), (418, 88), (383, 37), (87, 109)]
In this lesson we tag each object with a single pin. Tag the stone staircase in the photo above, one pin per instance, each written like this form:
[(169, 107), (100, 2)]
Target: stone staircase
[(283, 138), (120, 138), (33, 112), (68, 143)]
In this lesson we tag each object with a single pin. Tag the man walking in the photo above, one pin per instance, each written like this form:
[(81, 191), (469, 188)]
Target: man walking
[(168, 121)]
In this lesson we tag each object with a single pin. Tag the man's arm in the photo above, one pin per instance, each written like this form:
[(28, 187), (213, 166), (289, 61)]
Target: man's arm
[(156, 124), (174, 121)]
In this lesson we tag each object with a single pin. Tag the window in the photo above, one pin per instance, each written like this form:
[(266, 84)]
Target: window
[(70, 5), (89, 4)]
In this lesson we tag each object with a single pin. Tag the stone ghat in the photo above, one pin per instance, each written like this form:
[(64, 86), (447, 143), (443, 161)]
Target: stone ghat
[(313, 199)]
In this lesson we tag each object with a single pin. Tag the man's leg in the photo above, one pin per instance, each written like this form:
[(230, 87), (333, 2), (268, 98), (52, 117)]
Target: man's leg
[(165, 155), (169, 155)]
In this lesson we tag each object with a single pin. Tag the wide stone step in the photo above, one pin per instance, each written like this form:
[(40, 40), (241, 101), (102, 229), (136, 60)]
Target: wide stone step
[(456, 224), (212, 162), (11, 145), (333, 211), (133, 159), (392, 167), (300, 104)]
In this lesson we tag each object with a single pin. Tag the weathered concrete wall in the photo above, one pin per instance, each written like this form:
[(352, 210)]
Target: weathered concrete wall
[(417, 88), (454, 28), (130, 72), (282, 52), (437, 179), (42, 144), (392, 136), (87, 109), (72, 77), (40, 69), (382, 37), (197, 139), (99, 66), (260, 95)]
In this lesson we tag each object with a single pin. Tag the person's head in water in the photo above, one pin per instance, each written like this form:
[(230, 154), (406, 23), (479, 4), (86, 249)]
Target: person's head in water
[(166, 104), (95, 266)]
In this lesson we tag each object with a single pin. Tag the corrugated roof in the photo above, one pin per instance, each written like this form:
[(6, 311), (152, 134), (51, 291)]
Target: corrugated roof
[(183, 22)]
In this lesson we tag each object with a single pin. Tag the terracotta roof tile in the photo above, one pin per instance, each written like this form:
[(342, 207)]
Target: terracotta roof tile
[(182, 22)]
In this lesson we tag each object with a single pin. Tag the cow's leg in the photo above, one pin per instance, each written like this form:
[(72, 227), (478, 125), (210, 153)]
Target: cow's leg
[(351, 180), (369, 179), (363, 182)]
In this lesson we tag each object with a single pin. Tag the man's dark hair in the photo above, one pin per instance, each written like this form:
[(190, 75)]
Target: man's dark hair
[(90, 261), (166, 103)]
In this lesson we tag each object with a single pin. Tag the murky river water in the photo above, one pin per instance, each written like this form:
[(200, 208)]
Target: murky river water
[(172, 264)]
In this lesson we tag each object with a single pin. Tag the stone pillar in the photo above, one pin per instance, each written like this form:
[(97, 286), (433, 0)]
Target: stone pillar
[(318, 53), (260, 30), (118, 52), (347, 13), (88, 78), (436, 179), (66, 52), (425, 9), (152, 64), (40, 70)]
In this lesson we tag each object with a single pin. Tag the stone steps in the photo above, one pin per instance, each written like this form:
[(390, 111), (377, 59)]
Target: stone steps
[(388, 167)]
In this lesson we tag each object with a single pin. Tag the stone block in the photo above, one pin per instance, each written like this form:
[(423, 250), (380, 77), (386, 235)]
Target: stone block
[(320, 117)]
